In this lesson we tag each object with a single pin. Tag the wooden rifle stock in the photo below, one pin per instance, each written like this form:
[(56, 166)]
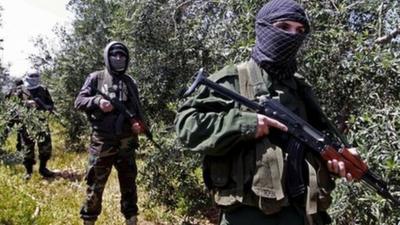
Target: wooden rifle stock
[(353, 164)]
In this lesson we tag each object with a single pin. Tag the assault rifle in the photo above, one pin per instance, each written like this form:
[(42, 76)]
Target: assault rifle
[(131, 116), (44, 106), (317, 141), (50, 109)]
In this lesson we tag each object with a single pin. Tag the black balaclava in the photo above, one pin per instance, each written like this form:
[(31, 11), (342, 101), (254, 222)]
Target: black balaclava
[(116, 67), (275, 49)]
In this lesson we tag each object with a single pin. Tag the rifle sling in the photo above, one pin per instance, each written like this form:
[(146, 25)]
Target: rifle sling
[(252, 84)]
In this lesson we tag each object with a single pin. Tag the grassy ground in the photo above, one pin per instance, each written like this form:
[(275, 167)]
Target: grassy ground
[(57, 202)]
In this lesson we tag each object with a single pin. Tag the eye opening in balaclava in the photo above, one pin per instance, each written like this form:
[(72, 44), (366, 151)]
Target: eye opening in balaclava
[(117, 50), (275, 49)]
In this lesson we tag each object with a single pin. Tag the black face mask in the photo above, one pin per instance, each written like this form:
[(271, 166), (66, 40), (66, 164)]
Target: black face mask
[(116, 58), (276, 49), (276, 46), (117, 64)]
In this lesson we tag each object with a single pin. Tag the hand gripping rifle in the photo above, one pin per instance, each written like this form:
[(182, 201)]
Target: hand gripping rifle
[(304, 133), (43, 106), (131, 116)]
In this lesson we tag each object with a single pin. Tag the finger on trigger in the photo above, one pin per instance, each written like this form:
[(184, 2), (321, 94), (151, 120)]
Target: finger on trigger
[(276, 124)]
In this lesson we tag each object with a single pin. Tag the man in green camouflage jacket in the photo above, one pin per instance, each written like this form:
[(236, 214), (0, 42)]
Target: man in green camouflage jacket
[(246, 162)]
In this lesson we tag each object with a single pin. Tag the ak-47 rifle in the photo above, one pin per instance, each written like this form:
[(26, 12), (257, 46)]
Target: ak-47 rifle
[(131, 116), (317, 141)]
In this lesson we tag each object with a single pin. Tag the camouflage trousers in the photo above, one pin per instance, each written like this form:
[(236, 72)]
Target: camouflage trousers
[(28, 146), (253, 216), (104, 153)]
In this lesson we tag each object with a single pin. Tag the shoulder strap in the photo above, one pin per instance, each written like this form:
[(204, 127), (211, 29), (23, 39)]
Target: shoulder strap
[(131, 86), (104, 81), (100, 81), (244, 85), (251, 81), (133, 96)]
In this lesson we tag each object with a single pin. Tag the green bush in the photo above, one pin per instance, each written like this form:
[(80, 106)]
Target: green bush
[(355, 79), (172, 178), (376, 134)]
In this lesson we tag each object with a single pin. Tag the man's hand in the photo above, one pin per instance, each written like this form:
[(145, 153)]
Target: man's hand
[(137, 128), (31, 104), (338, 167), (264, 123), (105, 105)]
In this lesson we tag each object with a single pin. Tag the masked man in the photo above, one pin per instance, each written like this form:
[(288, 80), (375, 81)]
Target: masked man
[(248, 164), (114, 137), (36, 96)]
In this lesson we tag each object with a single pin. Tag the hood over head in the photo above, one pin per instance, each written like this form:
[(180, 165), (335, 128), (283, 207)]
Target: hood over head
[(116, 66)]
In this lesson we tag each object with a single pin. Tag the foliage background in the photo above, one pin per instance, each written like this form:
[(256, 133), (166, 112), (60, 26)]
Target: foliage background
[(356, 80)]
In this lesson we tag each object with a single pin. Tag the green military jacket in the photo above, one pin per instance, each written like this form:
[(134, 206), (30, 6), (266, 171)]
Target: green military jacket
[(238, 168)]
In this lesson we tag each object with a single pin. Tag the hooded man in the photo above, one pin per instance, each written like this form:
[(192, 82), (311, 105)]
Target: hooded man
[(250, 163), (114, 137)]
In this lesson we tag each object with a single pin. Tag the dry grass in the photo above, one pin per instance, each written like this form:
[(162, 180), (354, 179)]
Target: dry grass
[(57, 201)]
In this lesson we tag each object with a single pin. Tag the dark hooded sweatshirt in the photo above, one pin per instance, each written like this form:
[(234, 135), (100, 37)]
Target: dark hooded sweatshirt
[(88, 99)]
